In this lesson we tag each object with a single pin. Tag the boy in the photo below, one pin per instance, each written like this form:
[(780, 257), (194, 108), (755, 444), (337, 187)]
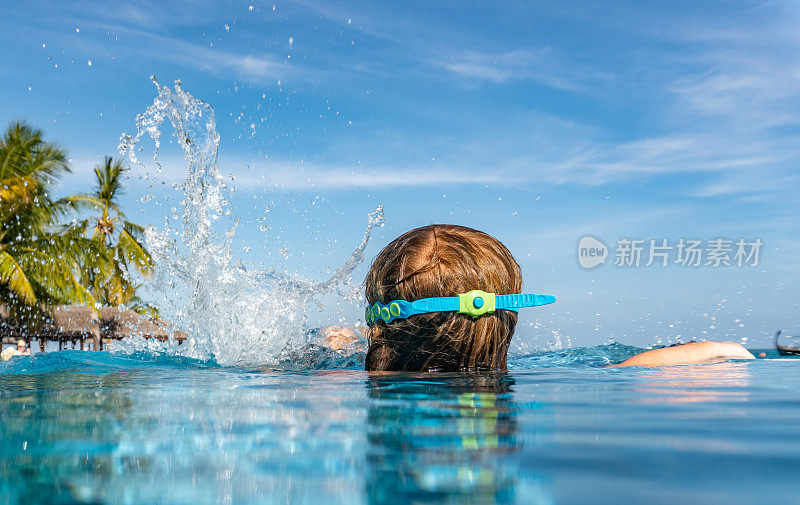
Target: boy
[(412, 327)]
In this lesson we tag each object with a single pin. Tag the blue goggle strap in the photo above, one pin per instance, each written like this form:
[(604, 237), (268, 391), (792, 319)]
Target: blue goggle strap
[(474, 303)]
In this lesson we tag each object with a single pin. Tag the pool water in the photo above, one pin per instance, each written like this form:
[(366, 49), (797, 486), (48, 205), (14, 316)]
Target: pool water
[(81, 427)]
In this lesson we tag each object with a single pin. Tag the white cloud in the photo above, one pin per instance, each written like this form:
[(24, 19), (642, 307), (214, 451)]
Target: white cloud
[(544, 66), (140, 44), (381, 178), (746, 91), (750, 183), (289, 175), (250, 66)]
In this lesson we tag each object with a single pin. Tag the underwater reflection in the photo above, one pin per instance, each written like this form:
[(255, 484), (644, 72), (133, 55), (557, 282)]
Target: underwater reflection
[(56, 441), (697, 383), (441, 438)]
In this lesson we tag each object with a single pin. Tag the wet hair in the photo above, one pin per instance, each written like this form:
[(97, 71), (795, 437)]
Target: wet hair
[(441, 260)]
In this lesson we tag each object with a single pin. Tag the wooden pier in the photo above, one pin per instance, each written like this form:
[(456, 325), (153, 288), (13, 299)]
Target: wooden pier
[(84, 327)]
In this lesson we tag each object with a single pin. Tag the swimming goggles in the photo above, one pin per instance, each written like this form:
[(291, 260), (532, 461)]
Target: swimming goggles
[(474, 303)]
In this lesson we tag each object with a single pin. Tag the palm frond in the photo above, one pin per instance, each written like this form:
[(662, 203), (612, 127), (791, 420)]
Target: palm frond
[(134, 230), (138, 305), (133, 251), (23, 152), (81, 202), (12, 275), (109, 179), (55, 276), (14, 189)]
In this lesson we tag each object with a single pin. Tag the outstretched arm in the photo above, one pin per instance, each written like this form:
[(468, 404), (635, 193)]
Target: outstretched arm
[(693, 352)]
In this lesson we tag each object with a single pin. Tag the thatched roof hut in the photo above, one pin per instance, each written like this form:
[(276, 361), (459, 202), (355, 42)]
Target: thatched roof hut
[(75, 323)]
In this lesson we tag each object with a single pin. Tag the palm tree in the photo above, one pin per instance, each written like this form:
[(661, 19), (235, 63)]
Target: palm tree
[(109, 277), (37, 258)]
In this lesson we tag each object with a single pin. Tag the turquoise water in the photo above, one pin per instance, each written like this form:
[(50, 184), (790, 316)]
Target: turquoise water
[(80, 427)]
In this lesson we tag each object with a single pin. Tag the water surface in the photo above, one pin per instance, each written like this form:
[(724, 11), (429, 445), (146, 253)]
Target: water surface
[(81, 427)]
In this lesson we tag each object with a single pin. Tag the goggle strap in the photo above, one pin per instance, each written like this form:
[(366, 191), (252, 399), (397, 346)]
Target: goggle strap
[(513, 302), (464, 303), (435, 304)]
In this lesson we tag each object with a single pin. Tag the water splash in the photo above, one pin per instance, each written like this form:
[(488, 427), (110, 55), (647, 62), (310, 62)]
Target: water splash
[(233, 313)]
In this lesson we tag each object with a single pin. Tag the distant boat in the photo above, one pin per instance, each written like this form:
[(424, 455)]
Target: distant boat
[(790, 344)]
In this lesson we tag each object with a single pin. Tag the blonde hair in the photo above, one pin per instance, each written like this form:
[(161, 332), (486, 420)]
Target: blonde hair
[(441, 260)]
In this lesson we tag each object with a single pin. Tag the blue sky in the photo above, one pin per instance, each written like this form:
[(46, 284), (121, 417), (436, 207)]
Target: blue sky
[(538, 122)]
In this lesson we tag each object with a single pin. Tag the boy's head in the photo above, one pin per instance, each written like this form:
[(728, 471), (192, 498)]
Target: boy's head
[(441, 260)]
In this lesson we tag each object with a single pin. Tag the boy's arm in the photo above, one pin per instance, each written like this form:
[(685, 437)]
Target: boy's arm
[(693, 352)]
